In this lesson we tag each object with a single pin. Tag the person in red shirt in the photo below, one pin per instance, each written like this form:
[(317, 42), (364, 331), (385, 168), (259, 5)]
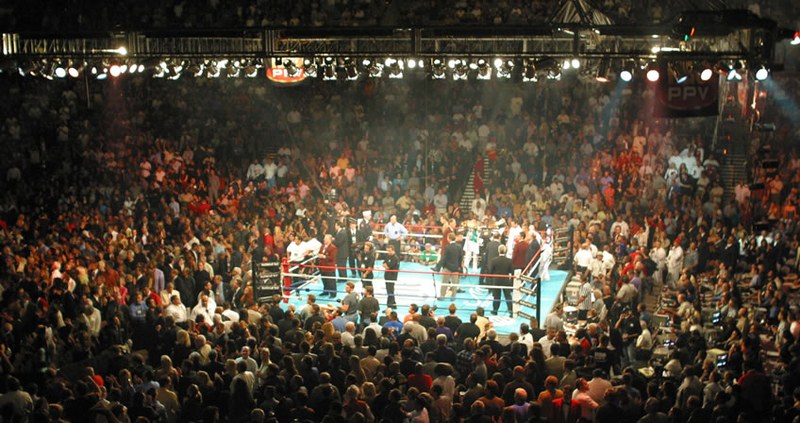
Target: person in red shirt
[(420, 380), (520, 249)]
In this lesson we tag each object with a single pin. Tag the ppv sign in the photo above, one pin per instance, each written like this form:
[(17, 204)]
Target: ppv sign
[(694, 97), (688, 93), (282, 75)]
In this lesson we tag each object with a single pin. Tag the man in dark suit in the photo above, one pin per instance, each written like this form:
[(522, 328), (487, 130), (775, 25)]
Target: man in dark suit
[(343, 243), (489, 253), (451, 262), (501, 265)]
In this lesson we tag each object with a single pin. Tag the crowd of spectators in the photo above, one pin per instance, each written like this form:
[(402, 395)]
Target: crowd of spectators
[(133, 213)]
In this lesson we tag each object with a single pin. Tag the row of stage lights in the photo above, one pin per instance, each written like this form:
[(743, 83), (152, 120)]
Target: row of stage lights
[(172, 69), (333, 68), (532, 70)]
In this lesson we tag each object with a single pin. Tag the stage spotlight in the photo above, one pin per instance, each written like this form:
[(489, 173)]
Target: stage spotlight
[(437, 69), (60, 72), (412, 63), (795, 39), (373, 68), (395, 68), (310, 68), (551, 66), (194, 69), (566, 64), (328, 69), (291, 68), (706, 73), (231, 70), (734, 71), (628, 68), (350, 69), (529, 72), (652, 72), (603, 70), (460, 69), (762, 73), (576, 63), (73, 71), (682, 72), (212, 70), (504, 68), (484, 70), (102, 75)]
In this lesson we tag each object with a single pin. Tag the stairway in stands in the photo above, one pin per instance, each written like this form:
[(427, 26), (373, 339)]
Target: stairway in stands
[(734, 140), (465, 202)]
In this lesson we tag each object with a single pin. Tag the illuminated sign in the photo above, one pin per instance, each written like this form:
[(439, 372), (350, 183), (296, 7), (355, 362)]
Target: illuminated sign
[(282, 75)]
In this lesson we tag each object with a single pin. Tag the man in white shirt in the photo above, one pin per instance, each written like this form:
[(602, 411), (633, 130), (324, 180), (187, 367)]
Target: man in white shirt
[(201, 309), (177, 310), (255, 171), (295, 249), (548, 340), (583, 258), (624, 228), (659, 255)]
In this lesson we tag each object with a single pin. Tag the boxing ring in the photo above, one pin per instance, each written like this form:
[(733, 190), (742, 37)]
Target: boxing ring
[(418, 284)]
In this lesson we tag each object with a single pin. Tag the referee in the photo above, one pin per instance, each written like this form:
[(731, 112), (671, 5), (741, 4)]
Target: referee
[(395, 232)]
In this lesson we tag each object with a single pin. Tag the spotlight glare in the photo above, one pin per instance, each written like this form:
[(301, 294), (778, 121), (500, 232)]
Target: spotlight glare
[(566, 65), (706, 74), (412, 63), (576, 63), (762, 73), (115, 70), (653, 75), (626, 75), (122, 51), (60, 72), (498, 63), (796, 39), (73, 72)]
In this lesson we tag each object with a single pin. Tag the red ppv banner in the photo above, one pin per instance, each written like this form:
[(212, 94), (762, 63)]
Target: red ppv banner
[(692, 98), (281, 75)]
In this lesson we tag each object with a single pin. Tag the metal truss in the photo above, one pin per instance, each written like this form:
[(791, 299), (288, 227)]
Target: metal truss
[(560, 40)]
